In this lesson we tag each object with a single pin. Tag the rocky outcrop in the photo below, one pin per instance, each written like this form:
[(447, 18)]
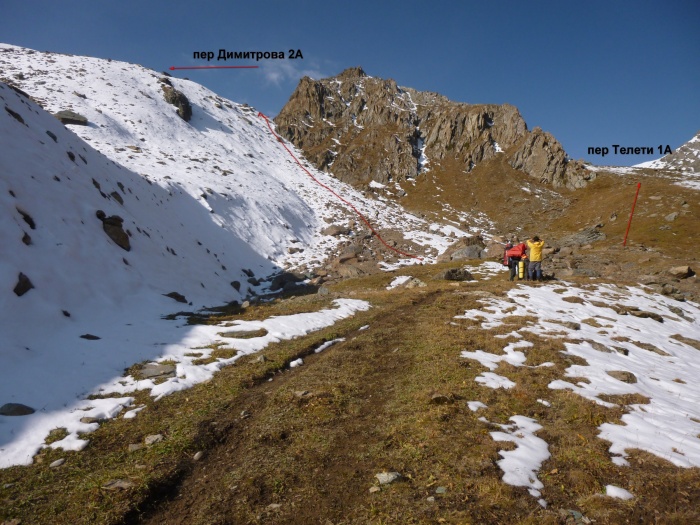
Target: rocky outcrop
[(179, 100), (365, 129), (541, 154)]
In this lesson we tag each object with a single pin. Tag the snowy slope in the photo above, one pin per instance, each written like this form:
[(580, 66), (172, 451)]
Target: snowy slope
[(685, 161), (201, 200), (225, 152)]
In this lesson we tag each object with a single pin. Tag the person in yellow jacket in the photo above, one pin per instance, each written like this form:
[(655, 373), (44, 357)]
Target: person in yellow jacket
[(534, 268)]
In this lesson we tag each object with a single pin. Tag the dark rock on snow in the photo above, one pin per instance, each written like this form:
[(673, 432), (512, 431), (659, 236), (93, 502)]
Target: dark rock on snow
[(23, 285), (15, 409), (177, 296), (113, 228)]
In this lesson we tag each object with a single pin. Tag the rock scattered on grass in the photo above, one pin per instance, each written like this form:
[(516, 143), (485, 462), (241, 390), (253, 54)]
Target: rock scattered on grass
[(385, 478), (414, 283), (57, 463), (89, 420), (440, 399), (455, 274), (153, 439), (118, 484), (157, 371), (245, 334)]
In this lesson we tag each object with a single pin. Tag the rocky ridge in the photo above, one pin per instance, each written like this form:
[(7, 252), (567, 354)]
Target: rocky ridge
[(365, 129), (685, 159)]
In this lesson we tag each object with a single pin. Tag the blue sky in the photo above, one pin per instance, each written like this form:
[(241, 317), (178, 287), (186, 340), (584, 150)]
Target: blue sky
[(592, 73)]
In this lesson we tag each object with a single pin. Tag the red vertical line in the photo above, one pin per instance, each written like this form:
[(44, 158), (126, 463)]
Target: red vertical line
[(629, 223)]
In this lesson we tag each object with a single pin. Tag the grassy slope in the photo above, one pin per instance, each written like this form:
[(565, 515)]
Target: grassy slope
[(367, 409), (496, 190)]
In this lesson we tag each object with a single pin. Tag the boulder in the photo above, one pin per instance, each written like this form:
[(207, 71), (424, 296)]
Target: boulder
[(280, 281), (455, 274), (156, 371), (335, 230), (414, 283), (71, 117), (112, 226), (464, 248), (622, 375), (23, 285), (681, 272), (469, 252), (177, 296), (15, 409), (386, 478), (493, 251), (350, 270)]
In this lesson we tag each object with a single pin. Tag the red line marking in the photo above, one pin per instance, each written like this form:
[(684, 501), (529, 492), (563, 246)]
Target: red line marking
[(173, 68), (279, 139), (639, 185)]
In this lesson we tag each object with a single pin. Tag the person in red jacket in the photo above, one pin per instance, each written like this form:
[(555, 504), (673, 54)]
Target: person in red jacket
[(515, 255)]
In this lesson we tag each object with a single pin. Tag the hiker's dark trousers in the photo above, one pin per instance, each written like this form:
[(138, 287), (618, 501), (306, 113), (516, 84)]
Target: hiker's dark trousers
[(534, 270)]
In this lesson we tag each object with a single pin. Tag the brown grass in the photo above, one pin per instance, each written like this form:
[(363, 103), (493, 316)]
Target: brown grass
[(305, 446)]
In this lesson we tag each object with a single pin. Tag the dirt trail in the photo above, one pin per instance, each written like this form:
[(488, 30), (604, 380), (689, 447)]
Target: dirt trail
[(302, 447)]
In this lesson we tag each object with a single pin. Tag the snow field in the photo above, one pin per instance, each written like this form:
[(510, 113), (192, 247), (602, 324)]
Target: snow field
[(625, 354), (22, 437)]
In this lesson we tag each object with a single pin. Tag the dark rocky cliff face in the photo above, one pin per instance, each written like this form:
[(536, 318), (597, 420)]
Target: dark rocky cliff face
[(362, 128)]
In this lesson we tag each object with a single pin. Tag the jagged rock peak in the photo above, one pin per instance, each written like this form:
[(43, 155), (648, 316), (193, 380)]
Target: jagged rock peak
[(352, 72), (364, 129)]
